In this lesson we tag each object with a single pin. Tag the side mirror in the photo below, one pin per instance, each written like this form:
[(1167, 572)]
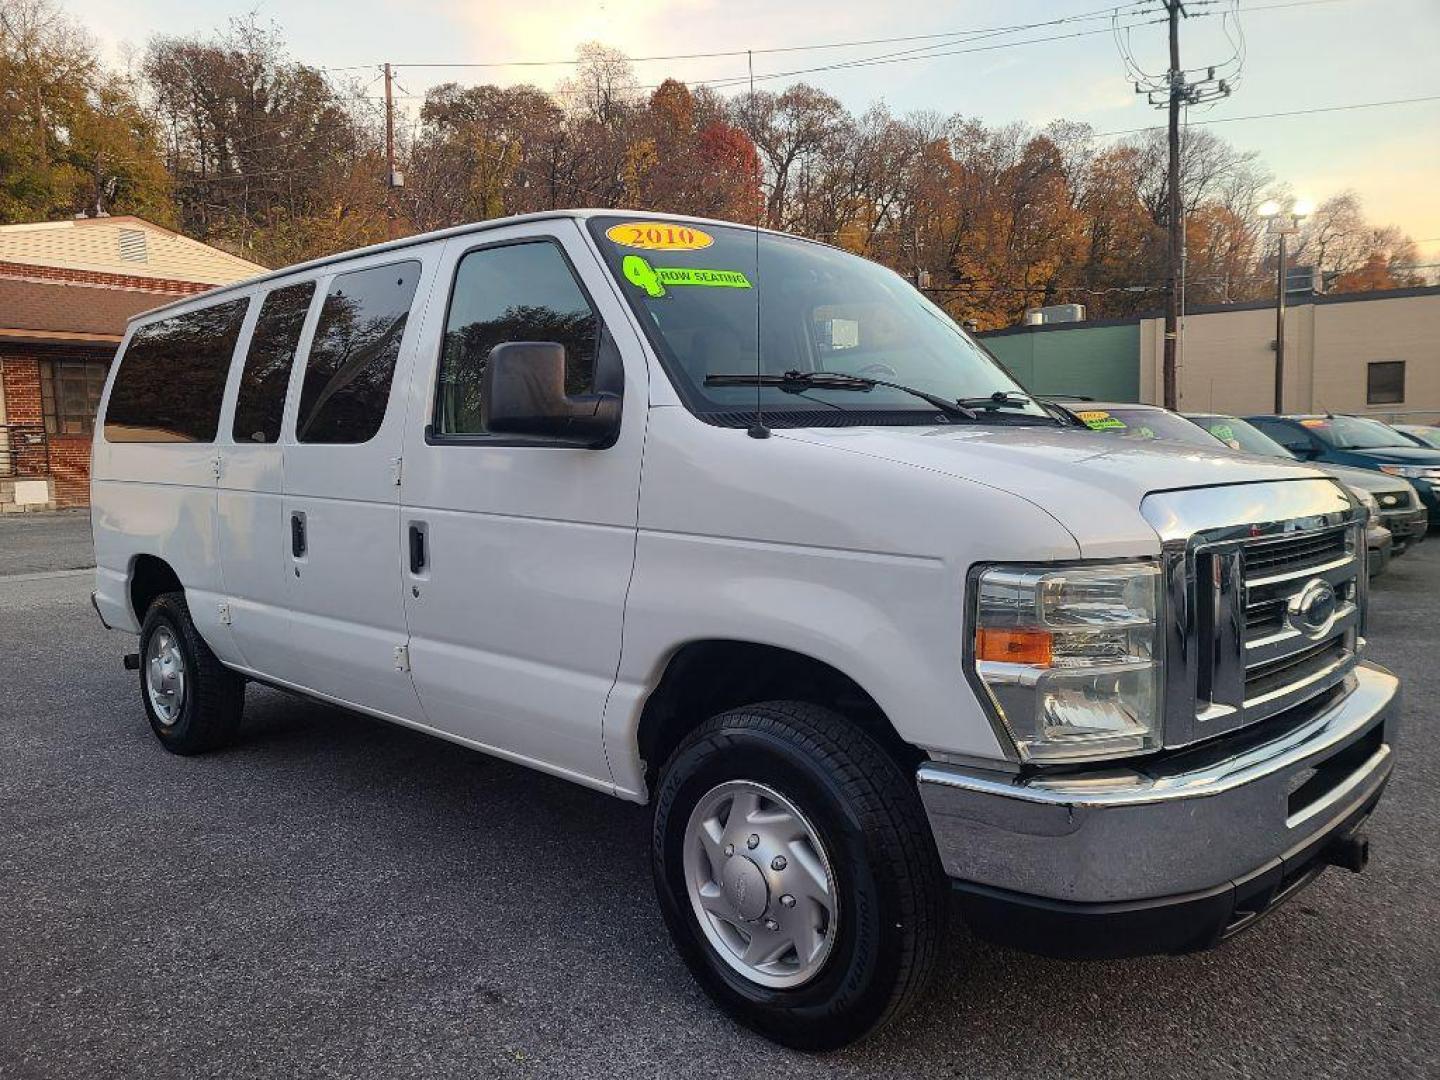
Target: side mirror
[(523, 393)]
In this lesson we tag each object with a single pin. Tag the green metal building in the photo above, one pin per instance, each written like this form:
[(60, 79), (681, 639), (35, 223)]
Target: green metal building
[(1098, 359)]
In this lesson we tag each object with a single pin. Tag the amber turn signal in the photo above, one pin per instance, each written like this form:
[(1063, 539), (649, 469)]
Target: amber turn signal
[(1014, 646)]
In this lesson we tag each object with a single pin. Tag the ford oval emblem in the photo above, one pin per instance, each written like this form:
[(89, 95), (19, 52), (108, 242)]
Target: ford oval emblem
[(1312, 610)]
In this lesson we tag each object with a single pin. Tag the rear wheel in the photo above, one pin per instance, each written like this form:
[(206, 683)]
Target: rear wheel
[(193, 701), (796, 873)]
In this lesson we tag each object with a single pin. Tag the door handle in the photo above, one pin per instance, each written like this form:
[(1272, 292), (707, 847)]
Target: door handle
[(297, 535), (417, 548)]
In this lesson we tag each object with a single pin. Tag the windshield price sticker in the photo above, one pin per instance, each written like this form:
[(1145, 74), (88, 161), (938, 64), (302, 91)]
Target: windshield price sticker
[(1097, 420), (657, 236), (654, 279)]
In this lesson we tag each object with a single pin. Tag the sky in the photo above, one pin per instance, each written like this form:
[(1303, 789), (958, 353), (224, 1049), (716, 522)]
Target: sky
[(1298, 55)]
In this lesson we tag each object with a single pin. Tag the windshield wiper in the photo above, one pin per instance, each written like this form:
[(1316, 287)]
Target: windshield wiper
[(795, 381), (1001, 399), (1008, 399)]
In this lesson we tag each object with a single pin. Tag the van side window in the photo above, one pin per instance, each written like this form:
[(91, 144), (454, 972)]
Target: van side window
[(172, 377), (261, 399), (518, 292), (352, 359)]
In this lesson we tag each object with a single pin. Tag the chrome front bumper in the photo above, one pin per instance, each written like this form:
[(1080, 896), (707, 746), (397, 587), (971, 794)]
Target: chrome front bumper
[(1186, 823)]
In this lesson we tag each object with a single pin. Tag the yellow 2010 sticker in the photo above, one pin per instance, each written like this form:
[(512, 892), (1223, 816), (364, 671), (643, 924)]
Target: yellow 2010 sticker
[(659, 236), (1099, 420), (653, 279)]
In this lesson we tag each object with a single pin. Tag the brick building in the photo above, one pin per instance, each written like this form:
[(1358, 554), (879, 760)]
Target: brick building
[(66, 290)]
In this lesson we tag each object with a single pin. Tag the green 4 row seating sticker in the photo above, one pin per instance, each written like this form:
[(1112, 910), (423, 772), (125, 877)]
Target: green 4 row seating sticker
[(654, 279)]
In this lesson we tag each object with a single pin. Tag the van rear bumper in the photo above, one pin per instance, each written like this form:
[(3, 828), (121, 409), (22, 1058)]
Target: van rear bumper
[(1170, 855)]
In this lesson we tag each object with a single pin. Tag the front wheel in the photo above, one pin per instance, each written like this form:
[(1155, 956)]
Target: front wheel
[(796, 873)]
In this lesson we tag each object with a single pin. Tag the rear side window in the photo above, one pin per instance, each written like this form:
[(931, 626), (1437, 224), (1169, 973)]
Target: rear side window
[(261, 398), (352, 359), (519, 292), (172, 377)]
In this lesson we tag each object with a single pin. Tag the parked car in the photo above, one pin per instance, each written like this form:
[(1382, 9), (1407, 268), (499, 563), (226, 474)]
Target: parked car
[(1135, 421), (1396, 504), (1360, 442), (1427, 435), (740, 526)]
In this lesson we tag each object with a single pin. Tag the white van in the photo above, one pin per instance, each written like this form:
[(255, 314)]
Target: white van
[(741, 526)]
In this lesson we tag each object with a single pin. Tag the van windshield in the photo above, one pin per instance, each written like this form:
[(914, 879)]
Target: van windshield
[(813, 309)]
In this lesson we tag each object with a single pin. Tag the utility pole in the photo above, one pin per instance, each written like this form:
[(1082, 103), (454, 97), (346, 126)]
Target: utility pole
[(1174, 8), (390, 175), (1277, 213), (1280, 332), (1172, 93)]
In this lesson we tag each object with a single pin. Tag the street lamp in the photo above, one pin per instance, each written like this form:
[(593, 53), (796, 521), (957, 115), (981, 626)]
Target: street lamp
[(1271, 210)]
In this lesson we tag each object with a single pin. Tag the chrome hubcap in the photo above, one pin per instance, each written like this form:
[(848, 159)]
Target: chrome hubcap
[(165, 676), (760, 883)]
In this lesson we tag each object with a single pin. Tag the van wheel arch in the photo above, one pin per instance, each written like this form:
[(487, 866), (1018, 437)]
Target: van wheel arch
[(150, 577), (705, 678)]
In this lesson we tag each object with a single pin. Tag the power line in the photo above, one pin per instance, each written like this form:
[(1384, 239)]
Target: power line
[(904, 56), (1287, 112), (1099, 13)]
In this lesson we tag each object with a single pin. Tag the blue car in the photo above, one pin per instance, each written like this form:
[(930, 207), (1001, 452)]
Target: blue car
[(1362, 443)]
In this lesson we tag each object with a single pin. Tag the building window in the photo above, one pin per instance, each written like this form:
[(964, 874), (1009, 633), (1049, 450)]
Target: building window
[(1385, 382), (70, 393)]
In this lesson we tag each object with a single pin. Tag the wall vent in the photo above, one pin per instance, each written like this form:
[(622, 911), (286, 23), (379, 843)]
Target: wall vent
[(132, 246)]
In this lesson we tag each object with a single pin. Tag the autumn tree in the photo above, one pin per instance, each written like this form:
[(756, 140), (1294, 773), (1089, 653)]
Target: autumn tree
[(268, 158), (74, 138)]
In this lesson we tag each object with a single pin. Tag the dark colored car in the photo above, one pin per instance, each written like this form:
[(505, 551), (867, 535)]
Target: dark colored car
[(1397, 503), (1420, 434), (1362, 443)]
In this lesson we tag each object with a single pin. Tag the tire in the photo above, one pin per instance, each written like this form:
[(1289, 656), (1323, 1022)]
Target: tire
[(889, 893), (200, 710)]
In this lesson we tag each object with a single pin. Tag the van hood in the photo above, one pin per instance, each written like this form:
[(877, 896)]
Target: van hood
[(1091, 483)]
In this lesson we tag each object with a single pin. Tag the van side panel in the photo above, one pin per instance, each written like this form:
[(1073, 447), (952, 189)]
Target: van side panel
[(795, 546), (158, 499)]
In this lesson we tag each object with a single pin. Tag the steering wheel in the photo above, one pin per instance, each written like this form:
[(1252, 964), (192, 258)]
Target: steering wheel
[(877, 371)]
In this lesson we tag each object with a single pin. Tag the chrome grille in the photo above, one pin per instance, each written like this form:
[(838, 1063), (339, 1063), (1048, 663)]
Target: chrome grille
[(1291, 555), (1306, 664), (1264, 615)]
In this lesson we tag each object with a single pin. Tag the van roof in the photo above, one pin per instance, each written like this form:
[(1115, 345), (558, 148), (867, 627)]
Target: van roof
[(580, 213)]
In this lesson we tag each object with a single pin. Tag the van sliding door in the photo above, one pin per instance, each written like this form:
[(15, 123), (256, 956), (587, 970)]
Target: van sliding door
[(341, 510)]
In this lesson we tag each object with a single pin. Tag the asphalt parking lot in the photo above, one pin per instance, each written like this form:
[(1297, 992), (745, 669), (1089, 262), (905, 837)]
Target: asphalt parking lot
[(335, 897)]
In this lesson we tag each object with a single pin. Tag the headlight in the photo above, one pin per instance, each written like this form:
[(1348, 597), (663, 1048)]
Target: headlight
[(1413, 472), (1070, 658), (1367, 499)]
